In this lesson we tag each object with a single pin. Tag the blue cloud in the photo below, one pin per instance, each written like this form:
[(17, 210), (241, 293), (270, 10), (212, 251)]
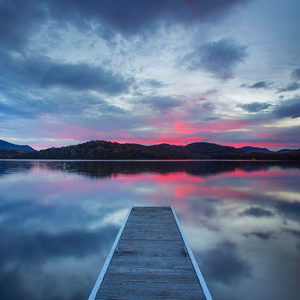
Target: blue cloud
[(219, 58), (141, 15), (19, 19), (160, 103), (43, 72), (258, 85), (289, 88), (296, 74), (257, 212), (255, 106), (288, 108)]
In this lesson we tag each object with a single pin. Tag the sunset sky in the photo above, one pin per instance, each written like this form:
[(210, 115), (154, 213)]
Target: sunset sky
[(150, 71)]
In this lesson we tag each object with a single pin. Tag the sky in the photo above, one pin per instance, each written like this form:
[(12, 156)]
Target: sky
[(150, 71)]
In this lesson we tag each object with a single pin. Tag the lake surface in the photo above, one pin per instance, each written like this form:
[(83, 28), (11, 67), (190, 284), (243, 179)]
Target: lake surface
[(58, 221)]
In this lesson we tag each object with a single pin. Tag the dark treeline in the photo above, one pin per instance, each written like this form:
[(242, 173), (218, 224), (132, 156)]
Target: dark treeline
[(109, 150), (8, 153), (102, 150)]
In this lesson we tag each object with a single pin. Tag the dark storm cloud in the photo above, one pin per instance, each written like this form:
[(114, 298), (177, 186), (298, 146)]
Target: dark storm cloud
[(43, 72), (296, 74), (47, 73), (258, 85), (219, 58), (289, 208), (55, 102), (40, 80), (288, 108), (77, 103), (135, 16), (18, 21), (257, 212), (224, 264), (293, 232), (8, 110), (255, 106), (68, 104), (160, 103), (81, 77), (294, 86), (296, 234), (263, 235)]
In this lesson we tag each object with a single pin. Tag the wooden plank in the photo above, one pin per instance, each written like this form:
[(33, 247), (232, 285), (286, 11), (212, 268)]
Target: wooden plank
[(154, 290), (150, 260)]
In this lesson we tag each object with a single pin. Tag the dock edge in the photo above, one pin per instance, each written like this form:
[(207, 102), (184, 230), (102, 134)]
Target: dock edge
[(108, 259), (193, 260)]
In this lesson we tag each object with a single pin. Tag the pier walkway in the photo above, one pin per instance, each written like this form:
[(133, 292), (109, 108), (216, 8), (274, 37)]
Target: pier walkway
[(150, 259)]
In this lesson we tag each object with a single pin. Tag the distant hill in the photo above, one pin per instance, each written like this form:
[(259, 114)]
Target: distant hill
[(109, 150), (10, 146), (249, 149), (285, 150)]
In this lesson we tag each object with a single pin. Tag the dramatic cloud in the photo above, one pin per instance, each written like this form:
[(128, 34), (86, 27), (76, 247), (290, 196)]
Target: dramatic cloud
[(18, 20), (289, 208), (293, 232), (7, 110), (47, 86), (255, 106), (263, 235), (83, 77), (219, 58), (43, 72), (288, 109), (257, 212), (55, 103), (224, 264), (296, 74), (160, 103), (140, 15), (258, 85), (289, 88)]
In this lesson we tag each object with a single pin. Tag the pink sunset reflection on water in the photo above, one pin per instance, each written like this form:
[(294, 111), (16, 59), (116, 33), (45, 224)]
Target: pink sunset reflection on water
[(240, 219)]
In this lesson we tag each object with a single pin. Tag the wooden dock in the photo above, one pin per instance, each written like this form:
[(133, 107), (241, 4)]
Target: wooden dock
[(150, 259)]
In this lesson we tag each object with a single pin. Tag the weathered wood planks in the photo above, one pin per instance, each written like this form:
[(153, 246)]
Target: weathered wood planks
[(150, 259)]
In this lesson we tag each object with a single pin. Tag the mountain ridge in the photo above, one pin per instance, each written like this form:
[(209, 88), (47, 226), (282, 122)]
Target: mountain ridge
[(113, 150), (250, 149), (4, 145)]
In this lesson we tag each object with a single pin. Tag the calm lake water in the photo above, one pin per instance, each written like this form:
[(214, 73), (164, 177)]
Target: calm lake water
[(58, 221)]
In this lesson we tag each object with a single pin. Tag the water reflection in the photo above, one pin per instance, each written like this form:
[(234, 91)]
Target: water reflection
[(59, 219)]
